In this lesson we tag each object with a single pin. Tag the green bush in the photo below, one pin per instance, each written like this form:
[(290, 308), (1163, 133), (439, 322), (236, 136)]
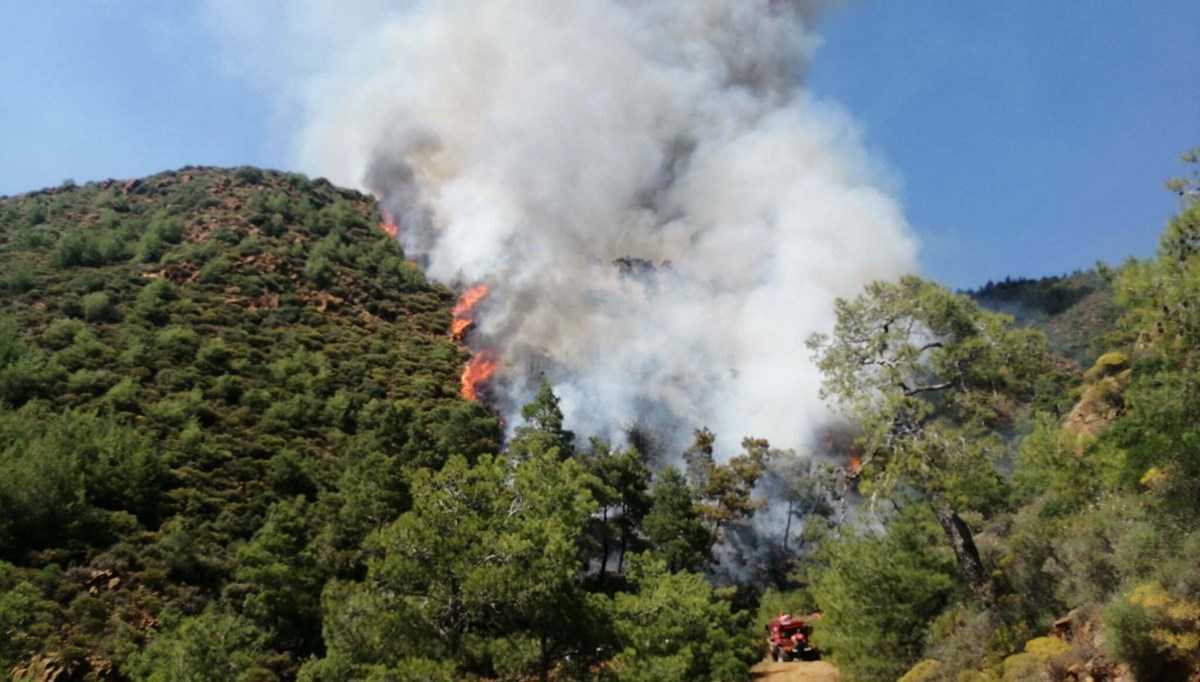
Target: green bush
[(97, 307), (248, 175), (179, 343), (210, 646), (215, 270), (61, 333), (924, 671), (57, 476), (879, 594), (25, 372), (76, 248), (123, 396), (22, 619), (154, 301), (1155, 632), (19, 277)]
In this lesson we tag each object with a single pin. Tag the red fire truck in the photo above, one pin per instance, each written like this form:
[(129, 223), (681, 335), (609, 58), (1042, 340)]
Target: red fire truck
[(788, 638)]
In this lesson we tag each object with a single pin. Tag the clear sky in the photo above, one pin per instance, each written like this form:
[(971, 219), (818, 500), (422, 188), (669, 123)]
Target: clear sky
[(1029, 137)]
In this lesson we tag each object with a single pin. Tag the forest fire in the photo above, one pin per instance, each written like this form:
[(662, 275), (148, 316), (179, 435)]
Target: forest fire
[(854, 465), (481, 367), (389, 226), (478, 370), (464, 311)]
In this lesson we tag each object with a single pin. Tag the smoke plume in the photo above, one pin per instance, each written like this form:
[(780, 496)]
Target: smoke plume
[(660, 210)]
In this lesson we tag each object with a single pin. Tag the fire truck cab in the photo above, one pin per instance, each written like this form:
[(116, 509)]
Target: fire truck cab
[(788, 638)]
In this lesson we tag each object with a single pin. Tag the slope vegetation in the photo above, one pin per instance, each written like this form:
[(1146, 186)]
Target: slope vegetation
[(184, 359)]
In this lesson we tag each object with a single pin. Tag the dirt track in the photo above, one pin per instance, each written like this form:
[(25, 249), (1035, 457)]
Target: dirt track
[(815, 671)]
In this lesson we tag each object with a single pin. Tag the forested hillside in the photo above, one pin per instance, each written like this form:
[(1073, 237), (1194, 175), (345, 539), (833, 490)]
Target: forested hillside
[(233, 447), (215, 386), (1076, 312), (1029, 522)]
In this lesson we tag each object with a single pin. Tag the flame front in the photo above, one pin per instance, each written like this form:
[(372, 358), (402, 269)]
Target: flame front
[(464, 311), (389, 226), (854, 465), (479, 369)]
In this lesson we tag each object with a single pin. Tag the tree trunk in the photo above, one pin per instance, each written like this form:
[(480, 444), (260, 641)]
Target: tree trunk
[(603, 544), (544, 673), (970, 566), (624, 538), (787, 530)]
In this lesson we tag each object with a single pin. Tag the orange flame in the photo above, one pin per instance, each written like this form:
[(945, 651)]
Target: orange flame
[(479, 369), (464, 311), (854, 466), (389, 225)]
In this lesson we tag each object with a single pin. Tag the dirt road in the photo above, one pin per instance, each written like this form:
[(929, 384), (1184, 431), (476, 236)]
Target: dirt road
[(814, 671)]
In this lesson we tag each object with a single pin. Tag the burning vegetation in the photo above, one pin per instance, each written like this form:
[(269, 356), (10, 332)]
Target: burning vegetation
[(464, 311), (482, 366), (479, 369), (389, 226)]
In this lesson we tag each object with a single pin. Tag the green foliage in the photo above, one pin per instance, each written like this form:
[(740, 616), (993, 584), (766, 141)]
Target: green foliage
[(674, 525), (924, 671), (97, 307), (233, 448), (543, 430), (677, 627), (477, 542), (215, 271), (878, 595), (923, 371), (153, 301), (76, 248), (930, 378), (25, 372), (725, 490), (183, 417), (1036, 661), (1062, 466), (22, 619), (279, 581), (1075, 312), (177, 343), (619, 482), (19, 276), (249, 175), (58, 477), (1154, 624), (209, 646)]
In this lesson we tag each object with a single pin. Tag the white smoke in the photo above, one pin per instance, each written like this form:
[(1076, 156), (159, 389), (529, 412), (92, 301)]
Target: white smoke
[(528, 144)]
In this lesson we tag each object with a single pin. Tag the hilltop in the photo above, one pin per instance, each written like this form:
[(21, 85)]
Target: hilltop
[(181, 354)]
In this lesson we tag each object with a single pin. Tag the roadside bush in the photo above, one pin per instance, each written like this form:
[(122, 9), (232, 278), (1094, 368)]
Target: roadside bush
[(879, 594)]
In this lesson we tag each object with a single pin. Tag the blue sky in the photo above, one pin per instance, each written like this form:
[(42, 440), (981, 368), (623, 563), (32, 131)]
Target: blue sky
[(1030, 137)]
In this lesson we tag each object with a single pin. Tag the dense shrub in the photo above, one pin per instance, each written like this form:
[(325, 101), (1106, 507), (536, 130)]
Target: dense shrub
[(879, 594)]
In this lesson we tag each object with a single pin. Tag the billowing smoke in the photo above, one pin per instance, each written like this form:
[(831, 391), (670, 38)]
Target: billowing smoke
[(662, 212)]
